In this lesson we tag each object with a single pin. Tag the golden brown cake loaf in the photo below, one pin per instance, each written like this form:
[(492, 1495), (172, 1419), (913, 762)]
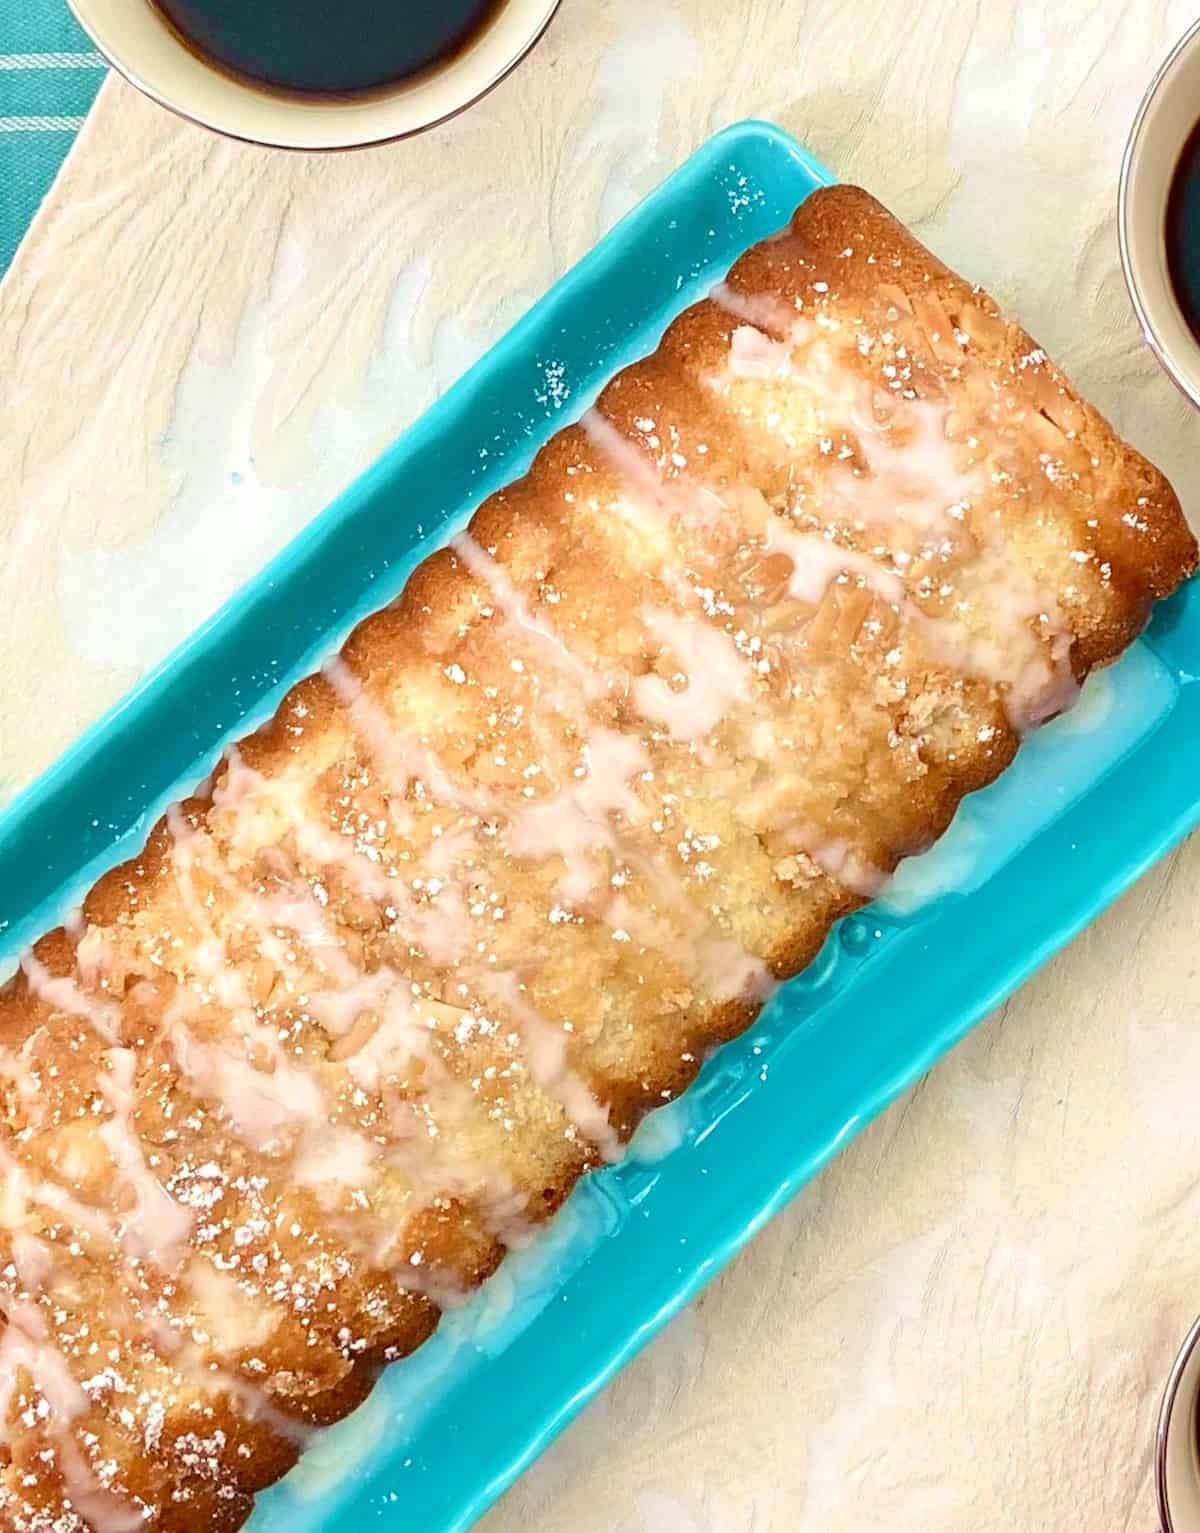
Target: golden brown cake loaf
[(492, 885)]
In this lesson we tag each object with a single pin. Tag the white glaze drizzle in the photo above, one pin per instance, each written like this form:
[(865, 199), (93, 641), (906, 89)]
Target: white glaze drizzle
[(762, 311), (916, 479), (405, 757), (710, 693), (339, 1009), (716, 676), (103, 1511), (24, 1340), (514, 607), (294, 909), (715, 690), (657, 506), (337, 1155), (264, 1107), (33, 1260), (260, 1105), (546, 1055), (564, 1084), (254, 1403), (25, 1349), (98, 961), (1036, 684), (818, 561), (758, 357), (430, 927), (17, 1069), (722, 685), (840, 861), (157, 1227), (21, 1187), (576, 820), (62, 994), (24, 1346)]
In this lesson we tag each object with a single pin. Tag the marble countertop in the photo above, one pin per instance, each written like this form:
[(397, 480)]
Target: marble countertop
[(966, 1321)]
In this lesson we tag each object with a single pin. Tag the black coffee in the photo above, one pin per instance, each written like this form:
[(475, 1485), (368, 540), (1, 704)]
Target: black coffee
[(1183, 231), (328, 47)]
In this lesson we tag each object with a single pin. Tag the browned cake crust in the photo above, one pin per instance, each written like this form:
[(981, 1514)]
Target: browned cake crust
[(493, 885)]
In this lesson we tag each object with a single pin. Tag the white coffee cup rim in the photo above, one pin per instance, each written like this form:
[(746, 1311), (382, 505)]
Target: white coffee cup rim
[(140, 45), (1176, 1464), (1147, 168)]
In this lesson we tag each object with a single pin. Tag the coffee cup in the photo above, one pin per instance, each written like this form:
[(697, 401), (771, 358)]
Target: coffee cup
[(139, 40), (1162, 130), (1177, 1447)]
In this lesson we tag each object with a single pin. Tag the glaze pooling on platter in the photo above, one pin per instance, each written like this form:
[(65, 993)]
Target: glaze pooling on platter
[(1118, 707), (492, 884)]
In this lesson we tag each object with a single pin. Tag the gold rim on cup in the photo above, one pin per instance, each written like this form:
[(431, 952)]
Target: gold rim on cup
[(1156, 139), (1178, 1413)]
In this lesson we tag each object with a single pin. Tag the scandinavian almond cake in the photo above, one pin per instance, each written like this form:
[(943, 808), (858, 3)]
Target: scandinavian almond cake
[(493, 884)]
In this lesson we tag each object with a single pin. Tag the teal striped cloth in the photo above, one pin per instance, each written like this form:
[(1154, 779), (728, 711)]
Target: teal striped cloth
[(49, 75)]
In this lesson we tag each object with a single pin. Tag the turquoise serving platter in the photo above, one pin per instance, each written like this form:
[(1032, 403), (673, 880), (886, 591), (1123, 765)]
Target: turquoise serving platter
[(1026, 864)]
